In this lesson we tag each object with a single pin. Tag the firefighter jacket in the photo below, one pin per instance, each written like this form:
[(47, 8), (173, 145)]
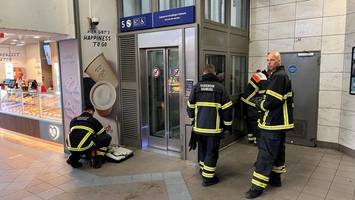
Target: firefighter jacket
[(210, 107), (83, 130), (255, 88), (277, 103)]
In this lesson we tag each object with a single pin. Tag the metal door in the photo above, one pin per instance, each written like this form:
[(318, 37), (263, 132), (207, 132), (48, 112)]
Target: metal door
[(303, 69), (162, 87)]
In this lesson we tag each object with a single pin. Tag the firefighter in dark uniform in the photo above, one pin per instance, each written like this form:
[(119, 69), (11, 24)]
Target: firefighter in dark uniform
[(210, 107), (277, 106), (87, 137), (255, 88)]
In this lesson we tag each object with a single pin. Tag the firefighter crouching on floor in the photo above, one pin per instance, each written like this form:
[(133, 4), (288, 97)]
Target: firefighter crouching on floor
[(87, 137), (210, 107), (277, 106), (255, 88)]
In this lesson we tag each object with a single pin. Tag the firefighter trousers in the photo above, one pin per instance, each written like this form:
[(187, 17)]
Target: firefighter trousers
[(271, 157), (208, 147)]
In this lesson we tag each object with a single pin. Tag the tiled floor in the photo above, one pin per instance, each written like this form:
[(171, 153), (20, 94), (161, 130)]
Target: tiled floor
[(32, 170)]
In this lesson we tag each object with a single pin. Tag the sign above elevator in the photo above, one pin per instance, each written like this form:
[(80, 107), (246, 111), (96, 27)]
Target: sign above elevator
[(177, 16)]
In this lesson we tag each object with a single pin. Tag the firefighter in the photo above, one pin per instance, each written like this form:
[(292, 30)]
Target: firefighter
[(87, 138), (277, 106), (255, 88), (211, 109)]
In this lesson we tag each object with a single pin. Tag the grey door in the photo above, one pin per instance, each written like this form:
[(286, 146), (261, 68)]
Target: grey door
[(303, 70)]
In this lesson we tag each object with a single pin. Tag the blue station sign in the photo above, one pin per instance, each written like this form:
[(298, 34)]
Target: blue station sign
[(177, 16), (138, 22)]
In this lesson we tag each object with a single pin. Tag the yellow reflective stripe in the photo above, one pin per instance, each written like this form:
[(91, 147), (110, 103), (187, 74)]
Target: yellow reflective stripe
[(207, 130), (207, 175), (275, 94), (201, 164), (228, 123), (68, 141), (254, 86), (218, 120), (258, 183), (281, 169), (81, 149), (196, 111), (84, 139), (260, 176), (285, 111), (211, 169), (275, 127), (261, 91), (265, 116), (101, 131), (227, 105), (247, 102), (190, 105), (289, 94), (262, 105), (82, 127), (208, 104)]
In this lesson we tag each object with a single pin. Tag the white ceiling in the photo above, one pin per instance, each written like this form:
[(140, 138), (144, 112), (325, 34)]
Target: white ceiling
[(17, 37)]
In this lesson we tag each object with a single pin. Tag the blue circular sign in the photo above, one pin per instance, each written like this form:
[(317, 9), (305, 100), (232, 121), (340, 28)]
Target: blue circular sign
[(292, 69)]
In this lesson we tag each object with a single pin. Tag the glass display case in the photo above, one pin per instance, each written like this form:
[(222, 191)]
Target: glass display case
[(32, 104)]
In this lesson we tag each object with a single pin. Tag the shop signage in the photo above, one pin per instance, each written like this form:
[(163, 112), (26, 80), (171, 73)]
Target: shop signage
[(137, 22), (54, 132), (99, 38), (184, 15), (7, 56)]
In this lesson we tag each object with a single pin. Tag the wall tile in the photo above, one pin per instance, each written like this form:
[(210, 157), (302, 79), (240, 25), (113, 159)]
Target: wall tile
[(334, 7), (260, 15), (331, 81), (285, 12), (332, 63), (257, 63), (330, 99), (334, 25), (350, 6), (308, 44), (346, 82), (348, 102), (350, 18), (308, 27), (347, 138), (328, 134), (282, 30), (347, 120), (259, 32), (276, 2), (282, 45), (333, 44), (349, 42), (309, 9), (259, 3), (258, 48), (347, 63), (328, 117)]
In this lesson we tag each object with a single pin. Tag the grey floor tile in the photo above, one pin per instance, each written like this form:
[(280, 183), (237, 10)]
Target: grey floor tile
[(305, 196), (50, 193), (336, 195)]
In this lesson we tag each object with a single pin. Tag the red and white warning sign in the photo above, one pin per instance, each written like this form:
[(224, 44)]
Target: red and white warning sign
[(156, 72)]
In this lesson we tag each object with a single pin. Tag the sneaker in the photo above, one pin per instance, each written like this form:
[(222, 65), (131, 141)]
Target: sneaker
[(74, 165), (252, 193), (209, 181)]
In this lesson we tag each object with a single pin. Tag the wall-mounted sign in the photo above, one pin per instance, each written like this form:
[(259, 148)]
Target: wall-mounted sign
[(53, 132), (99, 38), (292, 69), (352, 74), (137, 22), (177, 16), (7, 56)]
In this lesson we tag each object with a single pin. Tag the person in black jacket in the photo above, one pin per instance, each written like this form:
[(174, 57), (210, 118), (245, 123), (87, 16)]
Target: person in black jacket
[(87, 137), (255, 88), (277, 106), (211, 109)]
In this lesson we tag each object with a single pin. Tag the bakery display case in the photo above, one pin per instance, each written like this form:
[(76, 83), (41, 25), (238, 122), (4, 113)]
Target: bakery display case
[(46, 106)]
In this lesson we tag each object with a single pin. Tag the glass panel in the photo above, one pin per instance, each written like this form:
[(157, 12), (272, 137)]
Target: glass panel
[(156, 93), (174, 91), (135, 7), (239, 14), (215, 10), (219, 62), (171, 4)]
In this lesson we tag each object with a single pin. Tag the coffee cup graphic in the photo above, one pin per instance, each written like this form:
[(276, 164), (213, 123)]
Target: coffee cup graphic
[(100, 70), (103, 97)]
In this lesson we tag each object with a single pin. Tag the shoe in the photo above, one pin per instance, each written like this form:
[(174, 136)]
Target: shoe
[(209, 181), (74, 165), (253, 193), (275, 180), (98, 161)]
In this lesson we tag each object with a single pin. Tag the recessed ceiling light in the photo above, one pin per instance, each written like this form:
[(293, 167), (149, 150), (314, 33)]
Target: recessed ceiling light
[(36, 37), (12, 43), (14, 40), (20, 44), (47, 41)]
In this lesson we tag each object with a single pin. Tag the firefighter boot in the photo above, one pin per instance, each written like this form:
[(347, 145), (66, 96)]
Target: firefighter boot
[(275, 179), (209, 181), (74, 164), (253, 193), (98, 161)]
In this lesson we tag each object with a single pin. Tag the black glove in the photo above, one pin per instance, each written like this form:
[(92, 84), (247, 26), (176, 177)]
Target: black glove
[(193, 141)]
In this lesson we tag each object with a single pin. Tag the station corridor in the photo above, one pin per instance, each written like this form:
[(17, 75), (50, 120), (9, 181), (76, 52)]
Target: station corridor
[(33, 170)]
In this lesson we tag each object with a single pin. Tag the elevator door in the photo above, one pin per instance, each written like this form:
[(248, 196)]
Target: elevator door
[(163, 91)]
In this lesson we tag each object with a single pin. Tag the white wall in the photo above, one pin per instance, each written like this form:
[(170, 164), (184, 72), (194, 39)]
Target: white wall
[(290, 26), (54, 16), (33, 62)]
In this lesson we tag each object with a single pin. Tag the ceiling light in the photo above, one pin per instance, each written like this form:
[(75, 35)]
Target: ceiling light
[(14, 40), (36, 37), (12, 43), (20, 44)]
